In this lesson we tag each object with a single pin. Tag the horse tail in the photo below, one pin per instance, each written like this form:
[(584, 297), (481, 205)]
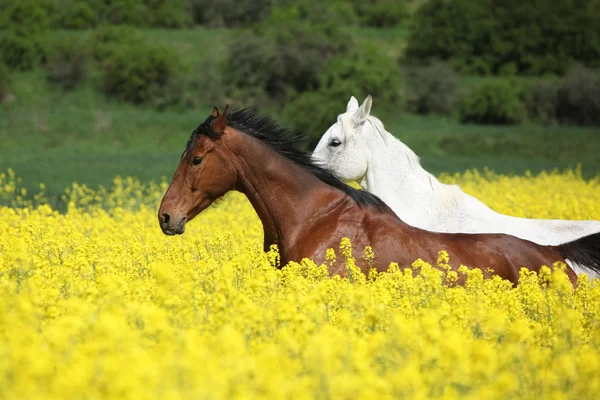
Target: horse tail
[(583, 253)]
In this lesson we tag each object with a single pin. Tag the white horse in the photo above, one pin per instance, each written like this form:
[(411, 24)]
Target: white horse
[(358, 148)]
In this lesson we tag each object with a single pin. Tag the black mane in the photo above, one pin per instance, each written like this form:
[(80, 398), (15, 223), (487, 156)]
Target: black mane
[(286, 143)]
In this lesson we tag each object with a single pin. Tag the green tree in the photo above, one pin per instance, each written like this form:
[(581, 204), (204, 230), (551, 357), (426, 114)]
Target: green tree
[(506, 36)]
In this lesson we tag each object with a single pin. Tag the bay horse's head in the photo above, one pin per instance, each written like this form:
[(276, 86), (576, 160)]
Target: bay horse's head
[(343, 148), (205, 173)]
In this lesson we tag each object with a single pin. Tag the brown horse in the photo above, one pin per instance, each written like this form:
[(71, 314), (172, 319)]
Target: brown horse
[(305, 210)]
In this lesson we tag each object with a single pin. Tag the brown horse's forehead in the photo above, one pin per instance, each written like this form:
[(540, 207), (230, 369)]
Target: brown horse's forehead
[(196, 142)]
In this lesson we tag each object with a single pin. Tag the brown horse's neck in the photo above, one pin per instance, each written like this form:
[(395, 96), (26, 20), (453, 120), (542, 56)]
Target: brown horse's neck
[(285, 195)]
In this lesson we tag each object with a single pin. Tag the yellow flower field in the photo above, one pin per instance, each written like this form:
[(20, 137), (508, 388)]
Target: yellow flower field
[(97, 303)]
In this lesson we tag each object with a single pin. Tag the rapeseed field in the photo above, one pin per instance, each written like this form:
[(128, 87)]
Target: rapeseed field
[(96, 303)]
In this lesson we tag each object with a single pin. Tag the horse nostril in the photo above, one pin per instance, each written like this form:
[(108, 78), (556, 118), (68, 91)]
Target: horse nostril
[(166, 218)]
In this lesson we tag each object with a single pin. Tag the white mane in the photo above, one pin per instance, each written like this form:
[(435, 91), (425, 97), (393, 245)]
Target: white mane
[(413, 160), (446, 195)]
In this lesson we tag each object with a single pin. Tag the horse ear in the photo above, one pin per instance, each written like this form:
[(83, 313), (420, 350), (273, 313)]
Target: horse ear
[(352, 104), (215, 112), (221, 122), (363, 111)]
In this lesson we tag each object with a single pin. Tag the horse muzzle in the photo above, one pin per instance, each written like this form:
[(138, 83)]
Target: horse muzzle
[(171, 226)]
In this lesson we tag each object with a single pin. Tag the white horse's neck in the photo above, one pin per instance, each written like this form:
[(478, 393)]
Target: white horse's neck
[(394, 170), (395, 174)]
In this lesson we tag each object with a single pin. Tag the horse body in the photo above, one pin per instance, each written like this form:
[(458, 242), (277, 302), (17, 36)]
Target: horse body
[(305, 210), (386, 167), (311, 217)]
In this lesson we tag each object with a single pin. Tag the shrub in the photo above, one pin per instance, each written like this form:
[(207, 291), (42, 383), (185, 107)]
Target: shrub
[(253, 67), (334, 13), (125, 12), (542, 101), (319, 23), (67, 65), (492, 102), (506, 37), (303, 53), (77, 15), (579, 97), (204, 85), (381, 13), (278, 63), (366, 70), (229, 13), (431, 89), (27, 16), (107, 39), (287, 52), (433, 34), (5, 89), (307, 35), (19, 52), (169, 13), (140, 73)]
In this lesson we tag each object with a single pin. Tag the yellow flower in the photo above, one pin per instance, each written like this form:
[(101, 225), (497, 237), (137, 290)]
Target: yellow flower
[(96, 302)]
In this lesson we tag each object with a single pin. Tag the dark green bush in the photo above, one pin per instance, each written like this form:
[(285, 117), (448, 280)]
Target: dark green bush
[(27, 16), (435, 32), (285, 56), (203, 85), (5, 87), (140, 73), (307, 34), (492, 102), (579, 97), (506, 36), (381, 13), (19, 52), (169, 13), (124, 12), (107, 39), (303, 53), (76, 15), (542, 101), (30, 16), (431, 89), (317, 25), (229, 13), (333, 13), (67, 64), (253, 67), (365, 70), (287, 53)]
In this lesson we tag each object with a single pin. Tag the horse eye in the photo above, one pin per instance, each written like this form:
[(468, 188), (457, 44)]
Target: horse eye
[(335, 143), (196, 160)]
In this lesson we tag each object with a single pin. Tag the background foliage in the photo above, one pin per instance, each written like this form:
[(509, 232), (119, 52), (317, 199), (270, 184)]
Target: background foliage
[(506, 37), (464, 83)]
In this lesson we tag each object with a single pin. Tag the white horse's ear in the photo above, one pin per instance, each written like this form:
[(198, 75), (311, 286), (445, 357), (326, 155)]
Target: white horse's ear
[(352, 104), (363, 111)]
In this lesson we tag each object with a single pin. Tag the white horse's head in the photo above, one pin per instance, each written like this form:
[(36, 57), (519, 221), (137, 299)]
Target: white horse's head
[(343, 148)]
